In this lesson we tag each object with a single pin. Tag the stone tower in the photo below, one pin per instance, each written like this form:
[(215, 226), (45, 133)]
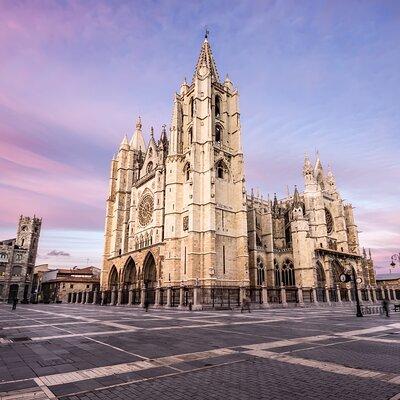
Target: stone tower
[(28, 234), (205, 207)]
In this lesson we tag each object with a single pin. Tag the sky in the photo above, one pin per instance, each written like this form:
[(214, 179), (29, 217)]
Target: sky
[(312, 76)]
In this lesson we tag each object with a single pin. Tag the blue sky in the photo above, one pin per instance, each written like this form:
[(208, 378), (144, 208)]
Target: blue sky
[(312, 75)]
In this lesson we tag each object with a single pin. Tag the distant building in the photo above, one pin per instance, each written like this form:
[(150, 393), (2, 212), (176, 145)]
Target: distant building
[(389, 280), (17, 260), (38, 274), (61, 284)]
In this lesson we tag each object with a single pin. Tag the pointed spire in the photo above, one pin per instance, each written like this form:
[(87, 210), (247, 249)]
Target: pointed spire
[(364, 253), (307, 168), (206, 59), (369, 253), (152, 132), (137, 141), (296, 198), (318, 164), (124, 142)]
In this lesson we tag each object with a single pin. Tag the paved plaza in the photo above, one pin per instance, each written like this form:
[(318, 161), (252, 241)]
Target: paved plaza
[(93, 352)]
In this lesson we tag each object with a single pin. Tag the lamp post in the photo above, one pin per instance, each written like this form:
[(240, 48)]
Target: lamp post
[(346, 277), (359, 313), (395, 258)]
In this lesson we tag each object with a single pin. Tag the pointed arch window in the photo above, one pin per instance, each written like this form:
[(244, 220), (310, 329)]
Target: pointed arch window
[(218, 133), (149, 167), (288, 230), (187, 171), (191, 107), (221, 170), (288, 278), (217, 107), (329, 221), (260, 272), (190, 135), (277, 274)]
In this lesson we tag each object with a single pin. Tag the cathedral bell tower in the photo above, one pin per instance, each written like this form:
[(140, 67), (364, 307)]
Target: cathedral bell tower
[(205, 212)]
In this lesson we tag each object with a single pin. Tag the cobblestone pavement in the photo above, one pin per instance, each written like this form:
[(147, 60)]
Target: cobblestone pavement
[(92, 352)]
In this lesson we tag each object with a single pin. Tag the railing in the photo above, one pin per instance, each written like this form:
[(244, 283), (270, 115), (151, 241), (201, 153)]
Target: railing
[(333, 297), (220, 297), (255, 295), (344, 294), (175, 296), (292, 295), (364, 295), (308, 296), (321, 295), (274, 296)]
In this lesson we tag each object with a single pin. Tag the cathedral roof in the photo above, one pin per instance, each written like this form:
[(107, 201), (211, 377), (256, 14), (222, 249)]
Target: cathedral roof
[(206, 58)]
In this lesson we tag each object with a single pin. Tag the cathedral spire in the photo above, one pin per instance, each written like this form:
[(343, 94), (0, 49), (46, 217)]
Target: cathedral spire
[(137, 141), (206, 60), (296, 198)]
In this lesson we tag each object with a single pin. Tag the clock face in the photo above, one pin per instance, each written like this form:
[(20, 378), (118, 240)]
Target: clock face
[(146, 207), (343, 278)]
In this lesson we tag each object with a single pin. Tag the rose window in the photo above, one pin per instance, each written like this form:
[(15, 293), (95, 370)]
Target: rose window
[(146, 206)]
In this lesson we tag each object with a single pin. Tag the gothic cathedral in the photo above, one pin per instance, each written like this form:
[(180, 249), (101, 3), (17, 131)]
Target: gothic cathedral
[(178, 213)]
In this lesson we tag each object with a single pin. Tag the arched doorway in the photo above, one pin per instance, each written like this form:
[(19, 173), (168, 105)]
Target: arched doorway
[(13, 293), (336, 270), (149, 271), (113, 278), (129, 273), (150, 278), (320, 275)]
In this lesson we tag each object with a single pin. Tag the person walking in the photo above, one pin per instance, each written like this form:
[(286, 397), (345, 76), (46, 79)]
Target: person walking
[(385, 306), (146, 305), (14, 303)]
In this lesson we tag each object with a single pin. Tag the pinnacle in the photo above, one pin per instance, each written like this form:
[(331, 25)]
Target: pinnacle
[(206, 58)]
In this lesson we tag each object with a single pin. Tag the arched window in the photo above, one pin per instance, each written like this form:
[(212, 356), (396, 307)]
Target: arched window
[(190, 135), (221, 170), (288, 230), (150, 152), (16, 271), (187, 171), (277, 273), (260, 272), (258, 241), (218, 134), (191, 107), (288, 273), (329, 221), (319, 271), (149, 167), (217, 107)]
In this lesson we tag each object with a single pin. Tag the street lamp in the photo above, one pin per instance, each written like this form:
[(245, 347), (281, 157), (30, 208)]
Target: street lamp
[(395, 258), (351, 276)]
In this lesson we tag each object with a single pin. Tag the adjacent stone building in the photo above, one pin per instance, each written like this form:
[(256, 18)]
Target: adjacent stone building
[(17, 260), (65, 285), (179, 215)]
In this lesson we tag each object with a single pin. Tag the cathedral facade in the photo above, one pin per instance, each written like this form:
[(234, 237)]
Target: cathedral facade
[(179, 215)]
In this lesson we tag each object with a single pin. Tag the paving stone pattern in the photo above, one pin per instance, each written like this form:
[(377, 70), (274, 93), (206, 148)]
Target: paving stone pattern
[(92, 352)]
